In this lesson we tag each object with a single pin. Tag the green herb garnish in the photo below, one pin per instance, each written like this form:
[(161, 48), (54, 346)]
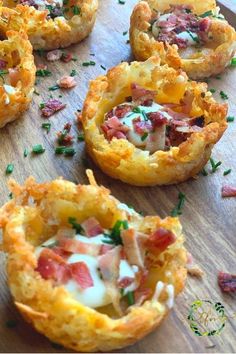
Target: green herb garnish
[(125, 33), (223, 95), (130, 298), (114, 237), (69, 151), (10, 195), (76, 10), (89, 63), (204, 172), (59, 150), (77, 227), (54, 88), (3, 72), (81, 137), (178, 209), (194, 38), (26, 152), (46, 126), (73, 72), (9, 169), (43, 73), (206, 14), (38, 149), (226, 172), (230, 119), (103, 67), (144, 136), (233, 62), (212, 90), (214, 165)]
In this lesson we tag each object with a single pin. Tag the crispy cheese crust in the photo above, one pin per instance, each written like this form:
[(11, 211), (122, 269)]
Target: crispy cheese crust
[(119, 158), (197, 63), (17, 53), (34, 215), (55, 33)]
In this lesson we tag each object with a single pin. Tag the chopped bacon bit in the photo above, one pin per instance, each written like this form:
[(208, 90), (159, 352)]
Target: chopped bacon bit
[(3, 64), (42, 66), (134, 246), (227, 282), (109, 264), (105, 248), (66, 57), (141, 96), (63, 137), (66, 82), (51, 106), (113, 128), (54, 55), (228, 191), (157, 118), (76, 246), (121, 110), (160, 239), (140, 295), (92, 227), (81, 274), (125, 282), (204, 24), (52, 266), (141, 127)]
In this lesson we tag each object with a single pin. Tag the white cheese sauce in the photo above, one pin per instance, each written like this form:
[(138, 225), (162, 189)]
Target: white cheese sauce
[(188, 36), (155, 25), (152, 142), (97, 295)]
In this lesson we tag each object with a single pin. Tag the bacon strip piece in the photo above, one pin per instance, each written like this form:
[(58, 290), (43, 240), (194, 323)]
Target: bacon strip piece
[(54, 55), (142, 96), (66, 82), (76, 246), (113, 128), (228, 191), (92, 227), (81, 274), (125, 282), (227, 282), (134, 246), (52, 266), (160, 239), (52, 106)]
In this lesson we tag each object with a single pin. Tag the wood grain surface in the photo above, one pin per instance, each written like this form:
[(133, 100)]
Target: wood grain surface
[(208, 220)]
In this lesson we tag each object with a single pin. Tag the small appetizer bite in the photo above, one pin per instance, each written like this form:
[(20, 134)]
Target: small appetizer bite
[(147, 124), (52, 24), (186, 34), (17, 75), (86, 270)]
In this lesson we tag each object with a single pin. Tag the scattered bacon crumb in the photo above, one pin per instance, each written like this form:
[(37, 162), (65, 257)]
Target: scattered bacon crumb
[(92, 227), (51, 106), (66, 82), (160, 239), (64, 138), (125, 282), (228, 191), (66, 57), (227, 282), (42, 66), (54, 55), (81, 274)]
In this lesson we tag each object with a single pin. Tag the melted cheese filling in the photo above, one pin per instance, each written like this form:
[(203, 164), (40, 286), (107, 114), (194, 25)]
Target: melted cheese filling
[(97, 295), (152, 140), (41, 4)]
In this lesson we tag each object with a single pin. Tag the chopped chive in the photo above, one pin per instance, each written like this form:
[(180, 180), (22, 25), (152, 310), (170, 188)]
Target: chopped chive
[(114, 236), (43, 73), (223, 95), (38, 149), (78, 228), (80, 137), (76, 10), (128, 41), (11, 323), (10, 195), (144, 115), (46, 126), (69, 151), (40, 52), (230, 119), (144, 136), (233, 62), (26, 152), (54, 88), (73, 72), (9, 169), (41, 105), (122, 291), (214, 165), (130, 298), (122, 2), (218, 77), (178, 209), (206, 14), (88, 63), (212, 90), (124, 33), (36, 92), (226, 172), (194, 38), (59, 150), (136, 110), (204, 172), (103, 67)]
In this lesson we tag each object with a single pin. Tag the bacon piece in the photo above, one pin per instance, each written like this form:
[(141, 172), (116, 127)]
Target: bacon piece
[(51, 106), (66, 57), (141, 127), (113, 128), (3, 64), (228, 191), (81, 274), (157, 118), (66, 82), (54, 55), (42, 66), (204, 24), (121, 110), (125, 282), (227, 282), (141, 294), (141, 95), (52, 266), (160, 239), (134, 246), (105, 248), (109, 264), (92, 227), (77, 246)]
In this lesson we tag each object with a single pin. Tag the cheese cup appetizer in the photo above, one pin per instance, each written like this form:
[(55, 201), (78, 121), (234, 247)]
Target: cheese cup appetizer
[(186, 34), (52, 24), (147, 124), (17, 75), (86, 270)]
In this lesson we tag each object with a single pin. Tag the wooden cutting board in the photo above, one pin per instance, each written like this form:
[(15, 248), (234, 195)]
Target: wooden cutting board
[(208, 220)]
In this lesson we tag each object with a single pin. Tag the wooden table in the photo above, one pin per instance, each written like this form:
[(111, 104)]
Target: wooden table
[(208, 220)]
